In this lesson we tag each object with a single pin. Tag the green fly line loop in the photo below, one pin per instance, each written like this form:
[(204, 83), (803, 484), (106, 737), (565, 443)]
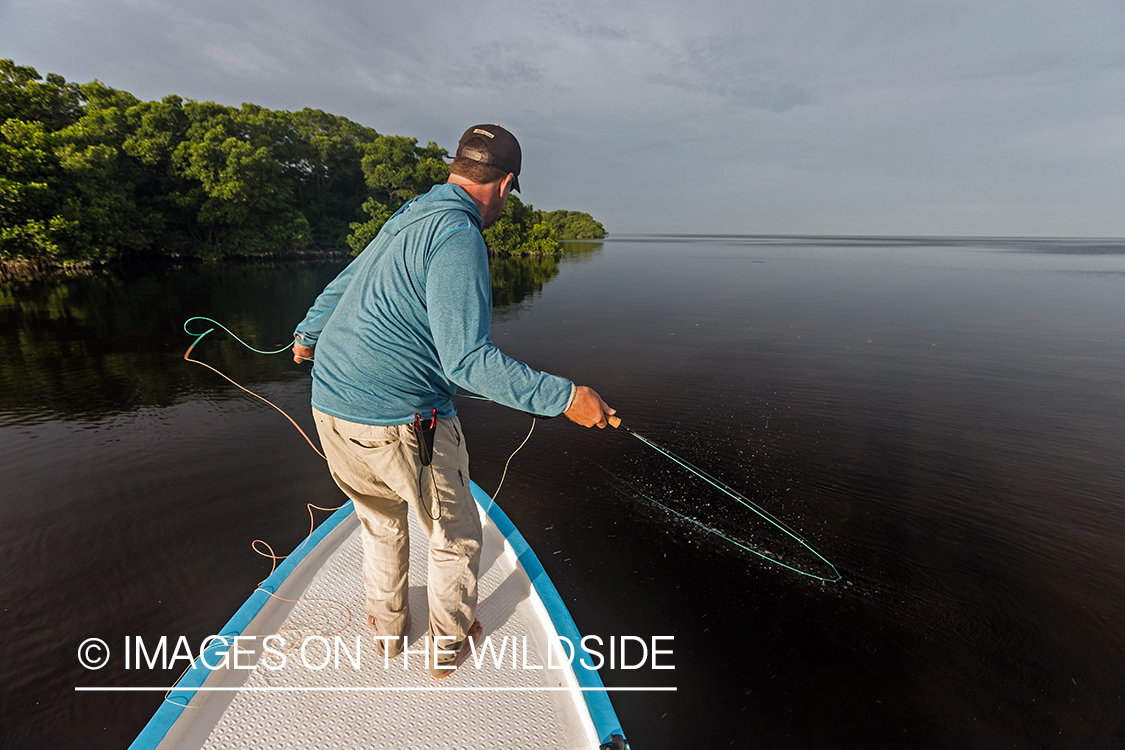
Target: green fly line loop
[(742, 500), (762, 555), (199, 336)]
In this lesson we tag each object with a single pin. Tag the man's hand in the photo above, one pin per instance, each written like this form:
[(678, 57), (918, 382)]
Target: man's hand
[(588, 409), (302, 353)]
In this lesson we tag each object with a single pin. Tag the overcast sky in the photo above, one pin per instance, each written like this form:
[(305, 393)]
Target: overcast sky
[(984, 117)]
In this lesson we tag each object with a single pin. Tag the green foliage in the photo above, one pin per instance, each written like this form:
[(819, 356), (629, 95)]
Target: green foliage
[(573, 225), (328, 173), (90, 173), (522, 230), (55, 103), (26, 168), (396, 169), (519, 231), (364, 232), (238, 157)]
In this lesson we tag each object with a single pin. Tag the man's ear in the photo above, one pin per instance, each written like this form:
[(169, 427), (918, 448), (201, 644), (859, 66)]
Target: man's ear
[(506, 184)]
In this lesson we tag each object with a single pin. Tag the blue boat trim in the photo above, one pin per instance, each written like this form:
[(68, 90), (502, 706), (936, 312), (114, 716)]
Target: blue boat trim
[(597, 700)]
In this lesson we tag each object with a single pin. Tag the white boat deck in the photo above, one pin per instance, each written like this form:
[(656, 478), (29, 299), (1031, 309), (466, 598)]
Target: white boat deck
[(381, 704)]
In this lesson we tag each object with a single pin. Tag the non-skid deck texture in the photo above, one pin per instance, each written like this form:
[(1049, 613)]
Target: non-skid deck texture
[(432, 718)]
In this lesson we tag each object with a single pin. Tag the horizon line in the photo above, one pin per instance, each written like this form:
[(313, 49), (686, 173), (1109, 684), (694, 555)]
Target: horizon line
[(1065, 238)]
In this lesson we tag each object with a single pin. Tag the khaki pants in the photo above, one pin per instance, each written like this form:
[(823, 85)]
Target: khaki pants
[(379, 469)]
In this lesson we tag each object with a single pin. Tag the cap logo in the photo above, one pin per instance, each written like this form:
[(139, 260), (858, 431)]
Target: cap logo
[(483, 132)]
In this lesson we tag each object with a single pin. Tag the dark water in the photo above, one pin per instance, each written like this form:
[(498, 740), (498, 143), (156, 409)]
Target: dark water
[(943, 420)]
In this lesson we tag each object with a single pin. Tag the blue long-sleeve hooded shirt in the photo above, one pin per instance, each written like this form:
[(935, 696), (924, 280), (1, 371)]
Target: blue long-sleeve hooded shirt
[(408, 321)]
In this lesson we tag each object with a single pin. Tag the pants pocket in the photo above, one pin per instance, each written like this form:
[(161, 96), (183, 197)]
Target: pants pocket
[(370, 437)]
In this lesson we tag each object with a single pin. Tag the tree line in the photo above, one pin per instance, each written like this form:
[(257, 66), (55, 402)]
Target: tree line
[(90, 173)]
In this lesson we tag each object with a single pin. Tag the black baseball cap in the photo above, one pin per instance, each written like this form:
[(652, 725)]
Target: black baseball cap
[(492, 144)]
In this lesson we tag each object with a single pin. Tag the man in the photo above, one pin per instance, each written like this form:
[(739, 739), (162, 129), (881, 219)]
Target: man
[(394, 335)]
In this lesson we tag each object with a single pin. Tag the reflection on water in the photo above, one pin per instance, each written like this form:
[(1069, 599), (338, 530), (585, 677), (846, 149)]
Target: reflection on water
[(941, 418), (97, 342), (514, 279)]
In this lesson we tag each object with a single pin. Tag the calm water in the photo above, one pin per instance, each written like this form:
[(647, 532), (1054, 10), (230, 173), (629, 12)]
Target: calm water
[(943, 420)]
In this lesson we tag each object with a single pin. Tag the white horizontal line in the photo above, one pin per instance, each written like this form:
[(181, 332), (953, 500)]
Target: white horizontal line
[(363, 689)]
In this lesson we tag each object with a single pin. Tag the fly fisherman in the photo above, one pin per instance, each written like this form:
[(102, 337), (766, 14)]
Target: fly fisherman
[(395, 334)]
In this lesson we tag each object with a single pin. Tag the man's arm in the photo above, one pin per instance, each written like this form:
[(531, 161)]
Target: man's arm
[(459, 301), (308, 331)]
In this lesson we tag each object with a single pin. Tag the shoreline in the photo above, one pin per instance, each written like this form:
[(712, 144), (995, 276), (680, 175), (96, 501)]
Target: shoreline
[(40, 269)]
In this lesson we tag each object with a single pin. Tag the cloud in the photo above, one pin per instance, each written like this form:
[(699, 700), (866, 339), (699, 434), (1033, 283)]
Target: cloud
[(582, 23), (715, 115), (1021, 63), (731, 67)]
